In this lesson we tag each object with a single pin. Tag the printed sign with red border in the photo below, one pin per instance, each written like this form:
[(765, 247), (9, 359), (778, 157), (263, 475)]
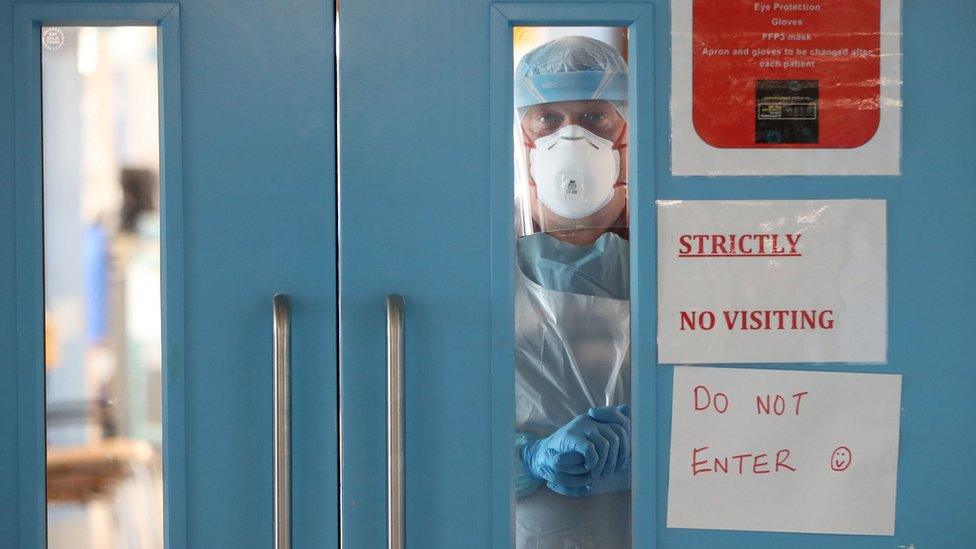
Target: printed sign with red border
[(807, 87)]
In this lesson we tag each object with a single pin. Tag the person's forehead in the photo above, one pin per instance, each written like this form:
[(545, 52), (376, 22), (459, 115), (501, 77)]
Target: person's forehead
[(578, 104)]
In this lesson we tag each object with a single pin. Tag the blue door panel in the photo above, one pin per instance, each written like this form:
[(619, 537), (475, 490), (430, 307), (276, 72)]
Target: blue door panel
[(9, 448), (259, 183), (930, 291), (251, 191), (422, 214), (397, 85)]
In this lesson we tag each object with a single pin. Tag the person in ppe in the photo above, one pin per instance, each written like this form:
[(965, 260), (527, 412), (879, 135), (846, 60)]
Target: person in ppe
[(572, 326)]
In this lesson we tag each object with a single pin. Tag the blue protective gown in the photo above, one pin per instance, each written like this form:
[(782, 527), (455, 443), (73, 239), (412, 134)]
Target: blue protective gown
[(572, 345)]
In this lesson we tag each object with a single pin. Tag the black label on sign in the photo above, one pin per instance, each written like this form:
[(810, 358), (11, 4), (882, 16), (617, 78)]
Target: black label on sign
[(787, 111)]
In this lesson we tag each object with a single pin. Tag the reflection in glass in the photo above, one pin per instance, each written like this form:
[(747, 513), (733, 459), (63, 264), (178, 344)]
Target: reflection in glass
[(572, 292), (102, 287)]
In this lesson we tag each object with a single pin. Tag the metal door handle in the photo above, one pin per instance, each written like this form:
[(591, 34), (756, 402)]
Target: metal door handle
[(281, 397), (394, 421)]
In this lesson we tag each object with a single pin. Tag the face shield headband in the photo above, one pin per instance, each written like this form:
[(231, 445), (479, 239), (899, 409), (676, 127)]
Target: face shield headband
[(570, 86)]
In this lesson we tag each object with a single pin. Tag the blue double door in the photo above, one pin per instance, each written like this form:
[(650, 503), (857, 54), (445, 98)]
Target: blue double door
[(412, 194), (426, 211), (248, 195)]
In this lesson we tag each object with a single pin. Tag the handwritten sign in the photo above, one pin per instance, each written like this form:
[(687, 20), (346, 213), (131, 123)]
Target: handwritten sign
[(772, 281), (784, 451)]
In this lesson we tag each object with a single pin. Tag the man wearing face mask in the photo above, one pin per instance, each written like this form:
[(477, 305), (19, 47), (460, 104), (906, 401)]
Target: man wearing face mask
[(572, 329)]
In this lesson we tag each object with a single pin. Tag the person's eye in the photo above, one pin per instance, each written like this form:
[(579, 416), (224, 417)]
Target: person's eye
[(596, 117), (548, 119)]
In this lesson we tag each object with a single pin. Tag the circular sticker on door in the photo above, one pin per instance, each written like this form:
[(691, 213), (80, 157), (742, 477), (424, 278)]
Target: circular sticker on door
[(52, 38)]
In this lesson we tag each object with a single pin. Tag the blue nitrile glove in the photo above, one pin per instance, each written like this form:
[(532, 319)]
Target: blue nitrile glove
[(580, 451), (619, 418), (619, 479)]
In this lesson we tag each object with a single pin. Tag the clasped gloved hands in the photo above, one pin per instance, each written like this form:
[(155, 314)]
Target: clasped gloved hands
[(587, 456)]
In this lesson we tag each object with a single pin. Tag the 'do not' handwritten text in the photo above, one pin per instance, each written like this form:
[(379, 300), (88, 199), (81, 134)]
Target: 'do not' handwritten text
[(706, 400)]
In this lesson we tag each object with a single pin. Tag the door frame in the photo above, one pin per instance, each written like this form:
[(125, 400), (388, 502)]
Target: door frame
[(29, 391), (643, 46)]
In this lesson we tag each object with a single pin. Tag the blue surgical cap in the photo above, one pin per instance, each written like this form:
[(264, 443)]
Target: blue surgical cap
[(568, 69)]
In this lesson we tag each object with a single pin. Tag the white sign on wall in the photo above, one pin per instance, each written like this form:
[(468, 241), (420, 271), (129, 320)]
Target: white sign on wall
[(772, 281), (784, 451)]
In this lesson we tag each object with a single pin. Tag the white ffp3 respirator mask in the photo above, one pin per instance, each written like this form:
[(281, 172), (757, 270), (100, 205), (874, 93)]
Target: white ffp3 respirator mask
[(574, 171)]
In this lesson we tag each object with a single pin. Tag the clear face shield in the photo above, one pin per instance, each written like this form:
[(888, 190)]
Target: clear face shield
[(570, 137), (571, 164)]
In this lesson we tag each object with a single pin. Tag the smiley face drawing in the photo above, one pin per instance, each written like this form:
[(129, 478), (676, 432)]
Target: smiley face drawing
[(841, 459)]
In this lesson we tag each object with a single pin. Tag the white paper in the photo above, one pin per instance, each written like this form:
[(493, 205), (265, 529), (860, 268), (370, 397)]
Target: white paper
[(840, 431), (690, 155), (827, 271)]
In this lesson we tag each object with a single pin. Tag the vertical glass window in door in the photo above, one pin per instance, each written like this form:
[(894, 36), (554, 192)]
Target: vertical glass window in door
[(572, 325), (102, 287)]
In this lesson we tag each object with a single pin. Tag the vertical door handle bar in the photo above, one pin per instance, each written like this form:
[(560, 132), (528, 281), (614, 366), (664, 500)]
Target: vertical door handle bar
[(394, 421), (282, 421)]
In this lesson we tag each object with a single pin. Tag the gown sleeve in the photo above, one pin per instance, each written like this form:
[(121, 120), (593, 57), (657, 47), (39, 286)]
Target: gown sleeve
[(524, 483)]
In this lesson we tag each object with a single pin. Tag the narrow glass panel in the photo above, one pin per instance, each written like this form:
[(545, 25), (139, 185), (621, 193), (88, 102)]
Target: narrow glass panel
[(572, 297), (102, 287)]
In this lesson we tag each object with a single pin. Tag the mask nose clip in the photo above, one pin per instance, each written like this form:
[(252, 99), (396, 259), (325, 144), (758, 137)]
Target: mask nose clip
[(573, 132)]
